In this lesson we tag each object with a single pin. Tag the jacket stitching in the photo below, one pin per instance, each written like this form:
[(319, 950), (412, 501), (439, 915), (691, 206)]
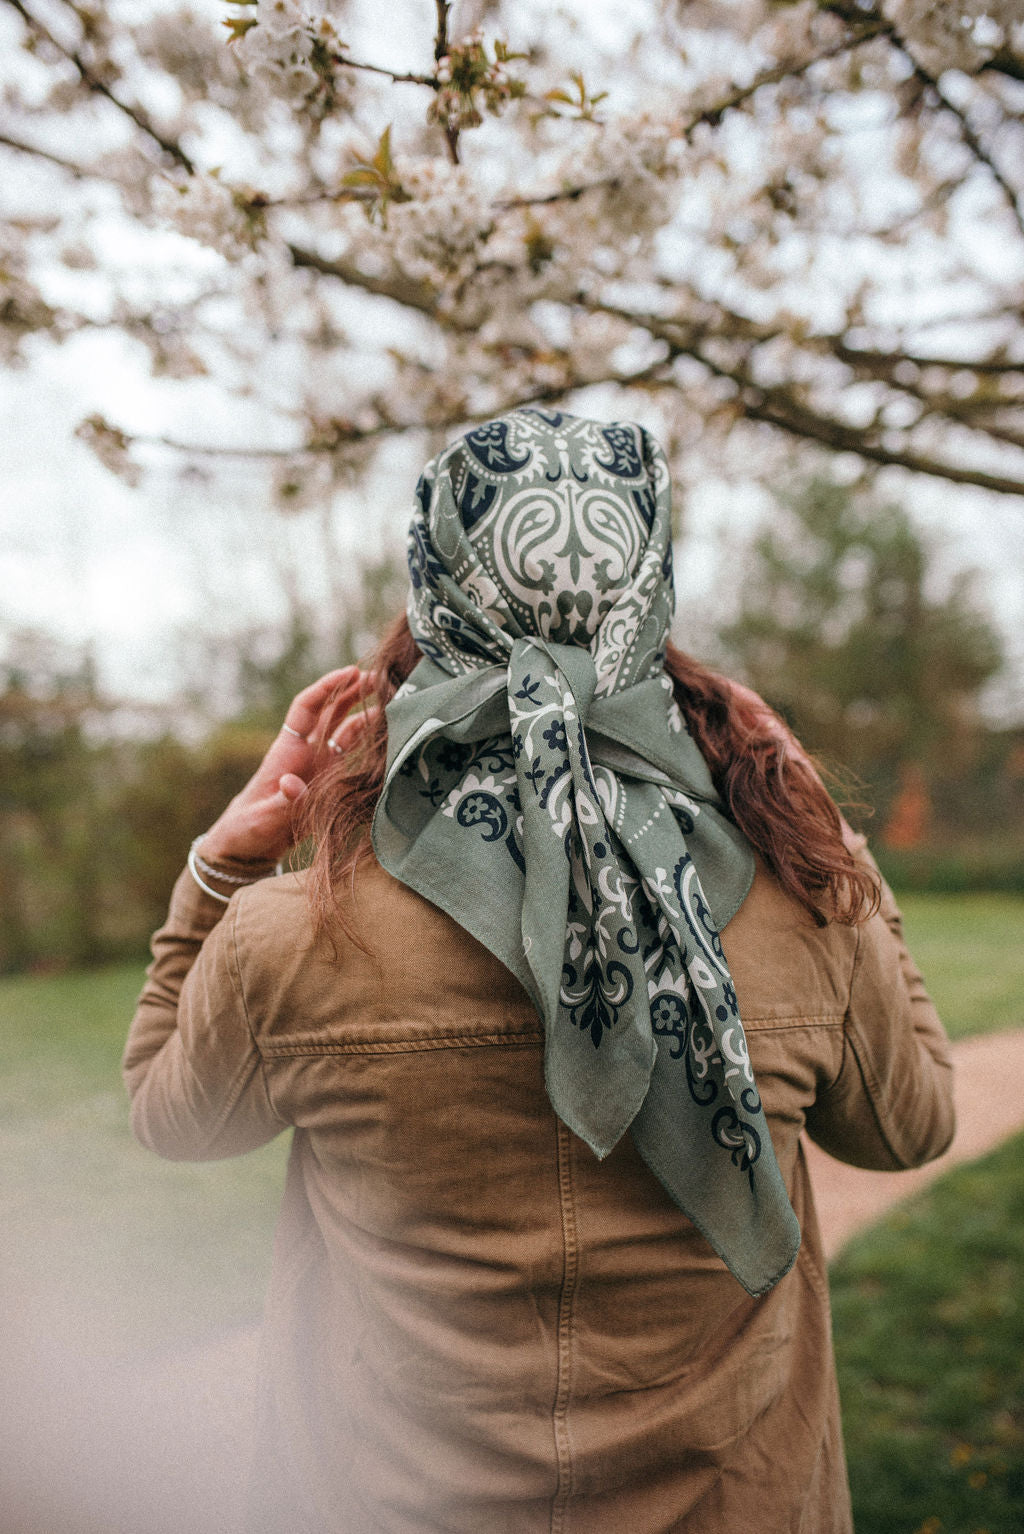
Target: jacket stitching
[(405, 1046), (240, 986), (251, 1062), (566, 1328), (794, 1020)]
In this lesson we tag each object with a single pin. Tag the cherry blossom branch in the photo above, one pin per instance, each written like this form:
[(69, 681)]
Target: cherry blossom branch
[(777, 406), (79, 173), (711, 116), (99, 87), (344, 432), (973, 142)]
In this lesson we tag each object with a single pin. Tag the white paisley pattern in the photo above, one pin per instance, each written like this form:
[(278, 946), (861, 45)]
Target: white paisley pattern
[(541, 787)]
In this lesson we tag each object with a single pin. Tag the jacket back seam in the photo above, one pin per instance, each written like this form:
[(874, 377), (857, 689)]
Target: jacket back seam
[(566, 1328)]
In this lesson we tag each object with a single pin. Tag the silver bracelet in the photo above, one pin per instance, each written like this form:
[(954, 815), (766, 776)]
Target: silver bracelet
[(215, 873), (195, 863), (193, 870)]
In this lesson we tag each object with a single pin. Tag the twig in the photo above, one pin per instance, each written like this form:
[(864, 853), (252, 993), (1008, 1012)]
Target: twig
[(99, 87)]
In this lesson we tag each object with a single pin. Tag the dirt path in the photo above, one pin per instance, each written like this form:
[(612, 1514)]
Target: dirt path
[(989, 1090)]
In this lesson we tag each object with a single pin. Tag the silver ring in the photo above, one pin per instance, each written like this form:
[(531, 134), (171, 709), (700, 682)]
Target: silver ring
[(332, 745), (289, 731)]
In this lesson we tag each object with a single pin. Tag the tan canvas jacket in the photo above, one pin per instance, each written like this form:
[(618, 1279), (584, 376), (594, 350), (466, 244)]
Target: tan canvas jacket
[(473, 1326)]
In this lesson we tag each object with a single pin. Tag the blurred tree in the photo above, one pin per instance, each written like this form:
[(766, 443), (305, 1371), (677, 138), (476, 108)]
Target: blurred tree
[(838, 630), (54, 803), (765, 222)]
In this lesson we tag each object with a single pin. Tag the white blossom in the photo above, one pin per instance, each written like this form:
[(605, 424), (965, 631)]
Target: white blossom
[(436, 235), (954, 34), (208, 210), (279, 49)]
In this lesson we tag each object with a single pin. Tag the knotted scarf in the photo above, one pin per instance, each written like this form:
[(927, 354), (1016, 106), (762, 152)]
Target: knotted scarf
[(542, 788)]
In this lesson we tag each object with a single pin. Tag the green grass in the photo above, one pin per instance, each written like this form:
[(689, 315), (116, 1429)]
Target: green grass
[(970, 949), (929, 1325), (138, 1252)]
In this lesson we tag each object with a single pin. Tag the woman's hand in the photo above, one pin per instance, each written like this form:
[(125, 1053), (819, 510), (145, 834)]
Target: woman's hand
[(257, 824)]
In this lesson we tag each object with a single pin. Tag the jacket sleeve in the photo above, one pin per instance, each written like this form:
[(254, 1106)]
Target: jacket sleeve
[(891, 1105), (191, 1064)]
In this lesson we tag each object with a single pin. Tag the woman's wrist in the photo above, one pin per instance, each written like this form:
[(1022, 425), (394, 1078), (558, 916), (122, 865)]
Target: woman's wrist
[(227, 856), (220, 877)]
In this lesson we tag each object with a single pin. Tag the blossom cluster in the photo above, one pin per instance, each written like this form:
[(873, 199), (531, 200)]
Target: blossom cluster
[(436, 235), (228, 219), (956, 34), (469, 78), (287, 44)]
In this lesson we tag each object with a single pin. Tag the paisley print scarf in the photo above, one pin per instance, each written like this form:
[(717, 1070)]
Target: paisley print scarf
[(542, 788)]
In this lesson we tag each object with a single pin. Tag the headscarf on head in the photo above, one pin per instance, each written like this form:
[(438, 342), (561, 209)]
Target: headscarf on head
[(542, 789)]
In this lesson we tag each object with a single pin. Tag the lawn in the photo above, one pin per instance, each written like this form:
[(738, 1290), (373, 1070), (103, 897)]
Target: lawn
[(928, 1311), (131, 1254), (970, 949), (149, 1251)]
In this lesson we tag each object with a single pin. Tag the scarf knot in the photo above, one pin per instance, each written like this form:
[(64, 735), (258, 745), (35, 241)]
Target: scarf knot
[(542, 788)]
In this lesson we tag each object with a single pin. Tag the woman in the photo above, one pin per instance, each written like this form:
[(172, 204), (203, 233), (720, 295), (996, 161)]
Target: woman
[(548, 1256)]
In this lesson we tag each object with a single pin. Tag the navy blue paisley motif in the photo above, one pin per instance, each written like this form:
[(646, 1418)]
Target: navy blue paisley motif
[(490, 446), (670, 1019), (625, 457), (485, 811), (424, 569), (450, 623), (646, 504), (704, 930), (552, 782), (476, 500), (739, 1137), (595, 1000), (684, 820), (453, 756), (492, 755)]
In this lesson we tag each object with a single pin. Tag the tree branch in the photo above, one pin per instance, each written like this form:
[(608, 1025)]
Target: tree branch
[(99, 87), (345, 432), (777, 407), (712, 115), (403, 290), (45, 154), (973, 142)]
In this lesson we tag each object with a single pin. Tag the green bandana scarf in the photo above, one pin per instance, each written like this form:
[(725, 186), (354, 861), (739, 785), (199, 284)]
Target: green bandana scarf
[(541, 787)]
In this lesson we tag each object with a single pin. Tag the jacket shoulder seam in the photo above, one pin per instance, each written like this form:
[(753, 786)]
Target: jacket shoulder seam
[(310, 1047)]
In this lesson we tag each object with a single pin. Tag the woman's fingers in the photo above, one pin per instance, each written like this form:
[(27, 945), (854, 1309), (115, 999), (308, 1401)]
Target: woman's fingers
[(291, 788), (258, 821), (349, 731), (306, 707)]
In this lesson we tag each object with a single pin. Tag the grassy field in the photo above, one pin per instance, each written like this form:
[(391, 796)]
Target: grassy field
[(928, 1314), (150, 1251), (130, 1254), (970, 949)]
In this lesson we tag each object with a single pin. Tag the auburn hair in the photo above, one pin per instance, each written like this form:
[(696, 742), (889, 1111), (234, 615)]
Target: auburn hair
[(768, 785)]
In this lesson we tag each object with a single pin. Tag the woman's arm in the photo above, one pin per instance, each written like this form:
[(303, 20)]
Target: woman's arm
[(891, 1105), (191, 1064)]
